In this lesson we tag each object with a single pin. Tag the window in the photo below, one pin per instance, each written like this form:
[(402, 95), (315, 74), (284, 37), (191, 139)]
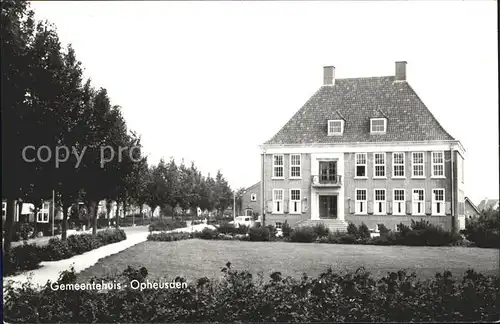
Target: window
[(360, 205), (417, 161), (438, 202), (361, 165), (398, 204), (378, 125), (295, 201), (42, 216), (278, 225), (335, 127), (248, 212), (253, 197), (379, 206), (398, 165), (4, 209), (278, 201), (418, 202), (379, 165), (295, 166), (278, 166), (438, 164), (328, 171)]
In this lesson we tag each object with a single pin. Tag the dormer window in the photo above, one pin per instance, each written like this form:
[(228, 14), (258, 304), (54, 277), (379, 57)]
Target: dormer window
[(335, 127), (378, 125)]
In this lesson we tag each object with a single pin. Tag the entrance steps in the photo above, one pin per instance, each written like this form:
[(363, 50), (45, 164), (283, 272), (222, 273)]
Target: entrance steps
[(333, 225)]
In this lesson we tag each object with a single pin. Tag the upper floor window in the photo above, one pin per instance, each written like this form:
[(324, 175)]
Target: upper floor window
[(295, 201), (295, 166), (360, 201), (335, 127), (438, 201), (379, 204), (418, 202), (398, 165), (278, 166), (438, 164), (253, 197), (417, 162), (278, 201), (378, 125), (379, 165), (360, 164), (398, 207)]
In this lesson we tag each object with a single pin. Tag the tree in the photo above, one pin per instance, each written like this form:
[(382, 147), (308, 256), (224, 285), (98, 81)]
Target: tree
[(223, 193)]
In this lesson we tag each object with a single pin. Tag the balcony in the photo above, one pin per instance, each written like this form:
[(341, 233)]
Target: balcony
[(329, 181)]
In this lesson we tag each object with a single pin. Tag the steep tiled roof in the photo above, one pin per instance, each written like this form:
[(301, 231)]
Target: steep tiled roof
[(358, 100), (251, 187)]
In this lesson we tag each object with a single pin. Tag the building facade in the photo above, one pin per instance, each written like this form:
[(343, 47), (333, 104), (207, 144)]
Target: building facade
[(471, 211), (363, 150), (250, 201)]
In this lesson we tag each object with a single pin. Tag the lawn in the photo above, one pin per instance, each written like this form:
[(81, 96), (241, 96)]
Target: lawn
[(195, 258)]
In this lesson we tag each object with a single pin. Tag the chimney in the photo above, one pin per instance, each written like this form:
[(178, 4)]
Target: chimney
[(400, 71), (328, 75)]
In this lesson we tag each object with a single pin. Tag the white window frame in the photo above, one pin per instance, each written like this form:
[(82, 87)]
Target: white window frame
[(394, 164), (378, 131), (278, 206), (295, 203), (40, 215), (249, 210), (295, 166), (413, 164), (331, 127), (375, 165), (379, 203), (398, 203), (278, 166), (415, 202), (280, 226), (434, 175), (441, 203), (356, 164), (360, 206), (253, 197), (4, 209)]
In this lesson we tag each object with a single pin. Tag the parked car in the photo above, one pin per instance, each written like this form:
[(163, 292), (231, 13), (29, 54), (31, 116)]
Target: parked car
[(243, 220)]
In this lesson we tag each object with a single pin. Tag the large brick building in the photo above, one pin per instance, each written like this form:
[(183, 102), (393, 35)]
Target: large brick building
[(363, 150)]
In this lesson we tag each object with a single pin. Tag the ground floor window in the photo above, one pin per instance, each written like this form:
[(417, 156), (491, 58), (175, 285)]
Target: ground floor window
[(379, 204), (295, 201), (360, 202), (398, 207), (418, 202), (42, 216), (438, 201), (278, 225), (277, 200), (248, 212)]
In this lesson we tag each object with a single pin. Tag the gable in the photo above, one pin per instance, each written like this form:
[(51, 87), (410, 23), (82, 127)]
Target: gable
[(357, 100)]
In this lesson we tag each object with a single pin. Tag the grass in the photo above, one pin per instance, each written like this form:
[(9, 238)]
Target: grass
[(195, 258)]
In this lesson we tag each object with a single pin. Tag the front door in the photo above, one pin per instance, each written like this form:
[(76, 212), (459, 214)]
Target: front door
[(328, 206)]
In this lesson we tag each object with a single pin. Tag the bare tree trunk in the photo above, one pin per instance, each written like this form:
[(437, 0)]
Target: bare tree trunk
[(9, 224), (142, 215), (64, 227), (117, 214), (93, 216)]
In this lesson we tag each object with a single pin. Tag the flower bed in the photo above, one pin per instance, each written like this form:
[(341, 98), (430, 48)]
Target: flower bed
[(29, 256), (353, 296)]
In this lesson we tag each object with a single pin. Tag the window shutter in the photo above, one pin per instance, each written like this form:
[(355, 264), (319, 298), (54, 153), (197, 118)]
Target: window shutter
[(286, 205), (370, 207), (389, 207), (408, 207), (304, 206), (448, 208), (428, 208), (352, 207), (269, 206)]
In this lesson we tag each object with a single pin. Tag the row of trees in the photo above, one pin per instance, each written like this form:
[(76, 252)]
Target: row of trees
[(47, 103)]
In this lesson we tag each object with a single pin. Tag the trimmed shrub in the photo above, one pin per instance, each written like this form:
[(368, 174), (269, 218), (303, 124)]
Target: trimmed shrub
[(25, 230), (321, 230), (168, 237), (305, 234), (109, 236), (259, 234), (207, 234), (363, 231), (21, 258), (242, 229), (286, 229), (161, 225), (57, 249), (226, 228), (352, 229), (272, 231), (82, 243), (383, 229)]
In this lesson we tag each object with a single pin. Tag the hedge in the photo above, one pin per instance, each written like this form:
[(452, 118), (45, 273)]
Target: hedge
[(29, 256), (166, 225), (167, 237), (353, 296)]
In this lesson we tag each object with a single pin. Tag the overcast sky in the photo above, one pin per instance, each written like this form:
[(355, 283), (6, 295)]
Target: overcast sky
[(211, 81)]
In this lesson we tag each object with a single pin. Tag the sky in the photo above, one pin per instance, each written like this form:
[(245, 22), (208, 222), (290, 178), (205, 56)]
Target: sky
[(211, 81)]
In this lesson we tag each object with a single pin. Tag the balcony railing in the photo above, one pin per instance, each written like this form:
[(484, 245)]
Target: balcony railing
[(329, 181)]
